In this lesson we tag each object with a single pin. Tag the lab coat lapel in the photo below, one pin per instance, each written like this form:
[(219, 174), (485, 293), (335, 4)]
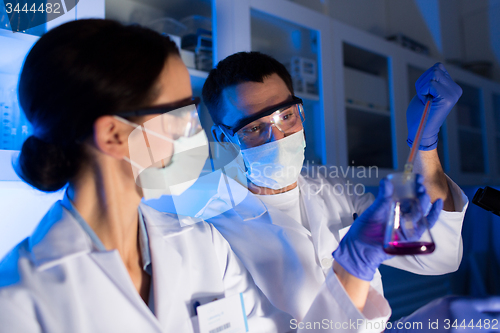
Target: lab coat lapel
[(167, 269), (112, 265), (59, 237), (315, 209)]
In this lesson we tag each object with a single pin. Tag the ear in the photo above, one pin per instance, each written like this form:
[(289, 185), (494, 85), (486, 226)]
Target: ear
[(111, 136), (219, 135)]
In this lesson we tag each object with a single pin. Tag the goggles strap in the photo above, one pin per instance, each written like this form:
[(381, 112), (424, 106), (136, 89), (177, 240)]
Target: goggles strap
[(149, 132)]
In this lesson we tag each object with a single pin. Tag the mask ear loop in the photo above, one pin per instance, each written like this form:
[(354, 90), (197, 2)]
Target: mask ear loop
[(231, 141), (148, 132)]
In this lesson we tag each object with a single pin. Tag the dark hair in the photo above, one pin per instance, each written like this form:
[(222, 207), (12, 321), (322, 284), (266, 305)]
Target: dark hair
[(74, 74), (238, 68)]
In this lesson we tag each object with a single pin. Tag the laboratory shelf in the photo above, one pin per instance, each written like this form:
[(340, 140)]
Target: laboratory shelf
[(363, 108), (295, 46), (18, 36), (146, 11), (369, 129)]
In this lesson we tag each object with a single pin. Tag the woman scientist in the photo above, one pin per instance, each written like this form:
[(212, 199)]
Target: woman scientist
[(114, 118), (100, 261)]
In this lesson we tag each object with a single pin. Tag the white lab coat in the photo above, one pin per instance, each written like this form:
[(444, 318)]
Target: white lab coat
[(289, 263), (56, 281)]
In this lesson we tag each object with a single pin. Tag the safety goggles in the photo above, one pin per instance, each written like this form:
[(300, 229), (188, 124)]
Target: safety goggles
[(175, 120), (256, 130)]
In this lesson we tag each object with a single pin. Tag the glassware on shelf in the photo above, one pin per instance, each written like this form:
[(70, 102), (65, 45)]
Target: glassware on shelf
[(171, 27), (14, 127), (197, 24), (6, 120), (407, 231), (198, 39), (303, 72)]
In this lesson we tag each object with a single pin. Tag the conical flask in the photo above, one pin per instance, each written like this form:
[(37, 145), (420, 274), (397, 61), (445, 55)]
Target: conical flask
[(407, 230)]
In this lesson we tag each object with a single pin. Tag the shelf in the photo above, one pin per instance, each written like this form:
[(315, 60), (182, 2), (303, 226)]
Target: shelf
[(146, 11), (19, 36), (357, 107)]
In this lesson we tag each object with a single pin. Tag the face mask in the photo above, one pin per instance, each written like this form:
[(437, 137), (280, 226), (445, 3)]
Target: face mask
[(187, 160), (276, 164)]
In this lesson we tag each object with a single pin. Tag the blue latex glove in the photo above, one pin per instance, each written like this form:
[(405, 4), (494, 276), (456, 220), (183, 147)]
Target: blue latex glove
[(437, 83), (361, 251)]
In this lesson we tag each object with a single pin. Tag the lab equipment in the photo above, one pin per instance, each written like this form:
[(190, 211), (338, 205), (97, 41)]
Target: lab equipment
[(435, 83), (409, 43), (169, 27), (418, 137), (14, 127), (303, 72), (360, 252), (167, 152), (255, 130), (489, 199), (198, 39), (408, 231)]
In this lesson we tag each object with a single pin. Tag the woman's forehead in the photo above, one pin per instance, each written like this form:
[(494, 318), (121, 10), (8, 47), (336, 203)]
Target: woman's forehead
[(174, 83)]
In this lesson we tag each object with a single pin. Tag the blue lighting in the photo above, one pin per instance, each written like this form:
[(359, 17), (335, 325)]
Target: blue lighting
[(297, 39), (430, 12)]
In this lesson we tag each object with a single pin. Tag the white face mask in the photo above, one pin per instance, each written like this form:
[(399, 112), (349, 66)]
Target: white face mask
[(187, 160), (276, 164)]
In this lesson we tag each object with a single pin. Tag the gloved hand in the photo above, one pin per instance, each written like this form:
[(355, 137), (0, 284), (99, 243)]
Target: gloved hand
[(445, 93), (361, 251)]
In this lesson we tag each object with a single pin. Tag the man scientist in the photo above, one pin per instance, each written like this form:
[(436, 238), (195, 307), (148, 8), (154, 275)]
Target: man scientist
[(251, 100)]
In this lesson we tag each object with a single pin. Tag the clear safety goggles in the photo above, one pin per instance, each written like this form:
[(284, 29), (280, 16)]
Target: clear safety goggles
[(175, 120), (151, 143), (256, 130)]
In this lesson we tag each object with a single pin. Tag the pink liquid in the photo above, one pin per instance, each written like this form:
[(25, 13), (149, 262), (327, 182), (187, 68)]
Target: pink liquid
[(397, 248)]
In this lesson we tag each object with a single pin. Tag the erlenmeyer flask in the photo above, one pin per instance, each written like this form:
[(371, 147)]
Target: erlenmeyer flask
[(407, 230)]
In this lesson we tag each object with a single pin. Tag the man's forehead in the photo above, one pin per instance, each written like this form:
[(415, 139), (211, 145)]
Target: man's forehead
[(248, 98)]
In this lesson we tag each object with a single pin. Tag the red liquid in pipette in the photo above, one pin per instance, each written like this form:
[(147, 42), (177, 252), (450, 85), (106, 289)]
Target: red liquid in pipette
[(397, 248)]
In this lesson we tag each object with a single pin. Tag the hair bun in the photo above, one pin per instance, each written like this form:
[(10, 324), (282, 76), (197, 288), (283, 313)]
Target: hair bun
[(47, 166)]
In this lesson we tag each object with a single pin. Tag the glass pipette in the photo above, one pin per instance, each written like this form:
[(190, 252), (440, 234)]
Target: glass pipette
[(418, 136)]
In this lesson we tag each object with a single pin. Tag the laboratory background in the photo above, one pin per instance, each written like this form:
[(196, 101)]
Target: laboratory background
[(354, 64)]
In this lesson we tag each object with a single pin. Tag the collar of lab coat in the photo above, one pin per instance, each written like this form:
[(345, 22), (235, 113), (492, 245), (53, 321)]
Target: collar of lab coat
[(56, 237), (250, 208), (59, 235)]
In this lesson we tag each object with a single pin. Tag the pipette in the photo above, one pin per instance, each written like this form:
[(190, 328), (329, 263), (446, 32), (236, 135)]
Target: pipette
[(418, 136)]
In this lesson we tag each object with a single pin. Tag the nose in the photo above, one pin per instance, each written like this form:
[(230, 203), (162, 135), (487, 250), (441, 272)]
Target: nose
[(276, 134)]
